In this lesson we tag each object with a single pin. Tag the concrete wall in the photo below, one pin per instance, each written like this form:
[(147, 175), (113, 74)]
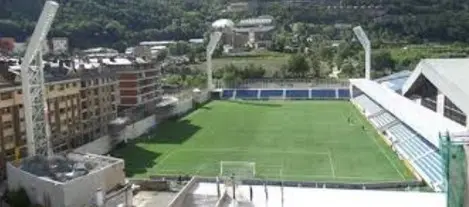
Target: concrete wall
[(99, 146), (103, 145), (123, 196), (151, 185), (37, 188), (179, 198), (135, 130), (81, 191)]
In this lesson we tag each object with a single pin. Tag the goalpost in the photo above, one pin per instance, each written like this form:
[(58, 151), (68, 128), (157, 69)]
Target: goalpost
[(233, 173), (237, 169)]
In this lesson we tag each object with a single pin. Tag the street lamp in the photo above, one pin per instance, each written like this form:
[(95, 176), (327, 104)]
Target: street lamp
[(218, 28), (365, 42)]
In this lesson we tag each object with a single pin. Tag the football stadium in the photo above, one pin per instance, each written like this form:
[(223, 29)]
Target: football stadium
[(404, 133)]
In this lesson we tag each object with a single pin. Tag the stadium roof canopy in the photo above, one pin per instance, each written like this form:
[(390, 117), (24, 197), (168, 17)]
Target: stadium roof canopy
[(395, 81), (422, 120), (449, 76)]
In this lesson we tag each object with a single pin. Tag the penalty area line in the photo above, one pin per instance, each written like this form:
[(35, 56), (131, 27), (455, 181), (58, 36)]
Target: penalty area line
[(255, 151)]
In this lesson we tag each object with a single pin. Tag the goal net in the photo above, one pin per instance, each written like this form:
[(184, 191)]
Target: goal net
[(237, 170)]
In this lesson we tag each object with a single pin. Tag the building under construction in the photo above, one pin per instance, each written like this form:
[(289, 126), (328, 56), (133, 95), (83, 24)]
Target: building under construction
[(71, 180)]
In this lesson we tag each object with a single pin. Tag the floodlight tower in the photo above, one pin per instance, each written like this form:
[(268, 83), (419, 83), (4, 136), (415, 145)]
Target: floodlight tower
[(365, 42), (218, 28), (32, 80)]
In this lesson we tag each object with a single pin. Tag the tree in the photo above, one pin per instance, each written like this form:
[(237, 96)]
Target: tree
[(347, 70), (298, 65), (382, 60), (162, 55), (252, 71), (180, 48), (317, 70), (325, 53), (231, 75)]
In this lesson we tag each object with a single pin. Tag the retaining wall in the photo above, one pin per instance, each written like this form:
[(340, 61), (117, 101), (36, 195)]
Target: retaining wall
[(179, 198), (104, 144)]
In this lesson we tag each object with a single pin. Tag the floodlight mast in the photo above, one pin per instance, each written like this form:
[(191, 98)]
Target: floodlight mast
[(218, 28), (32, 80), (214, 39), (365, 42)]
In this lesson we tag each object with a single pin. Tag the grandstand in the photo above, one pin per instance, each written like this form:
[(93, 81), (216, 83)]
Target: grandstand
[(409, 133)]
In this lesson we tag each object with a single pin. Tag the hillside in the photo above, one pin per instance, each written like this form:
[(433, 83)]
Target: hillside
[(120, 23)]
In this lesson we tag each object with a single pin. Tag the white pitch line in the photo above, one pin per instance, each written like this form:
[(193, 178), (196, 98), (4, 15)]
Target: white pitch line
[(261, 151), (364, 179), (381, 149), (169, 154), (332, 164)]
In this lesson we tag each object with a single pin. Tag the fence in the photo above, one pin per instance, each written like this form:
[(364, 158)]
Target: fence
[(283, 83), (310, 184), (455, 163), (290, 94)]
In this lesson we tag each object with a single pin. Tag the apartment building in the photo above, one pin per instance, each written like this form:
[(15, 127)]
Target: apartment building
[(139, 82), (62, 90), (98, 100), (81, 99)]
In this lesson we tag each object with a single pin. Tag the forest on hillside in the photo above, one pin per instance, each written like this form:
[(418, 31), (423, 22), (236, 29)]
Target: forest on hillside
[(122, 23)]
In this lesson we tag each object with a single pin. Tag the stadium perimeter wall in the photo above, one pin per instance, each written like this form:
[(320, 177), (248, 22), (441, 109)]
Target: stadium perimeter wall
[(103, 145), (335, 93)]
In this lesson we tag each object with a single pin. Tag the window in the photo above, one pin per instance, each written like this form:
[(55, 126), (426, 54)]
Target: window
[(6, 110), (20, 92), (62, 110), (83, 84), (67, 85), (74, 84), (6, 96), (51, 88), (9, 138), (61, 87), (452, 112), (7, 125)]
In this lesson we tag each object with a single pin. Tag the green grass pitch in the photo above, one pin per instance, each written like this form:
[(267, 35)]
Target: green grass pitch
[(290, 140)]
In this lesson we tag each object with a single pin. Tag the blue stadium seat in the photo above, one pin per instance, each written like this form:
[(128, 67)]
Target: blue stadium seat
[(271, 93), (246, 93), (426, 161), (297, 94), (344, 93), (324, 93), (227, 93)]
